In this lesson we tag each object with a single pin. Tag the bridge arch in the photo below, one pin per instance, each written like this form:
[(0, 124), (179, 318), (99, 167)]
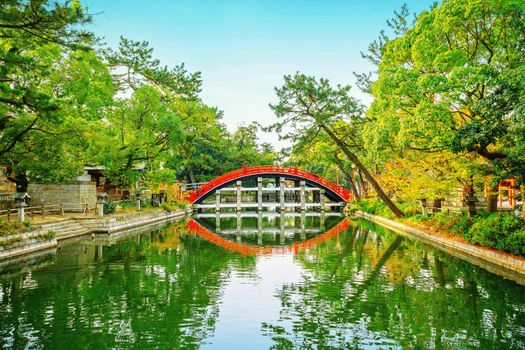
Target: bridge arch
[(246, 249), (332, 190)]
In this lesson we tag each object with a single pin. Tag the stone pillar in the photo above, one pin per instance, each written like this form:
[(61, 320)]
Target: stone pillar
[(424, 209), (303, 197), (259, 193), (217, 201), (163, 196), (101, 200), (218, 222), (21, 199), (239, 195), (303, 226), (281, 193), (321, 199), (259, 228), (20, 211), (281, 226), (239, 224), (138, 197)]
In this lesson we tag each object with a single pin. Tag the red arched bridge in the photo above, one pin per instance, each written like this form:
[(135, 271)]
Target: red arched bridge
[(247, 249), (308, 190)]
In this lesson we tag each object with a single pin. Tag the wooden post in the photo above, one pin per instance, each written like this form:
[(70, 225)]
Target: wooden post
[(281, 219), (259, 228), (217, 201), (522, 190), (321, 198), (62, 209), (303, 226), (239, 223), (217, 222), (43, 207), (259, 193), (239, 195), (281, 193), (303, 199)]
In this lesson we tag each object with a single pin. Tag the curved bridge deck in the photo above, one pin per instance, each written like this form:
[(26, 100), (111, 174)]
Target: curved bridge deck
[(307, 190)]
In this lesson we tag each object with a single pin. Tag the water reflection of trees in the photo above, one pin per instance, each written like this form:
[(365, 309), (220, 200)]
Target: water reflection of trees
[(160, 288), (371, 287)]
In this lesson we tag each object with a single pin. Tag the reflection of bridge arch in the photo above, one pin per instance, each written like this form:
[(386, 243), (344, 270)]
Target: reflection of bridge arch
[(247, 249), (333, 191)]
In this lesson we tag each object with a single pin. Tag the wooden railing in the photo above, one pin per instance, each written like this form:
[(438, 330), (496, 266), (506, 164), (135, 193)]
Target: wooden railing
[(47, 209)]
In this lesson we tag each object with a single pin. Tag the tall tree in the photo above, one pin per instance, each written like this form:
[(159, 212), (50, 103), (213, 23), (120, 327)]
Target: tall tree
[(452, 82), (38, 41), (308, 106)]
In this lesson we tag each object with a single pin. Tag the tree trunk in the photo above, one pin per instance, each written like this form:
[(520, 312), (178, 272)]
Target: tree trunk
[(354, 159), (348, 176), (363, 191), (492, 198), (192, 176), (19, 179)]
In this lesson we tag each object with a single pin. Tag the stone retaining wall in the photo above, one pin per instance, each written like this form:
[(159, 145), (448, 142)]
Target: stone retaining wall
[(121, 222), (506, 265), (78, 193), (30, 242)]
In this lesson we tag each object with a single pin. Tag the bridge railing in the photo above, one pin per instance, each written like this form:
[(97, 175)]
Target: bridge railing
[(257, 170)]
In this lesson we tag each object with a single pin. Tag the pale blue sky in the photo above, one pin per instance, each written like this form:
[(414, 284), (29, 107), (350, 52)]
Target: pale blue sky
[(243, 48)]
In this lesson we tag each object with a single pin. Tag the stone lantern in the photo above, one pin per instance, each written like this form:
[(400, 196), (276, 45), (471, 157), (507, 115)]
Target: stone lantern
[(138, 198), (424, 208), (21, 199), (163, 196), (471, 205), (101, 200)]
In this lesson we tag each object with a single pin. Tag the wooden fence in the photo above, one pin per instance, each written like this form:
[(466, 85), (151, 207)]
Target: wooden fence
[(47, 209)]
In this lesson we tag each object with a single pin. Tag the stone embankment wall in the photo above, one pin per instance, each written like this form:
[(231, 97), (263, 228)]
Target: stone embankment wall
[(503, 264), (16, 245), (122, 222), (23, 243), (78, 193)]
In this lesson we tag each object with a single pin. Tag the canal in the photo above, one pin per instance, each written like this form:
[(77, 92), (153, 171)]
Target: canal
[(255, 282)]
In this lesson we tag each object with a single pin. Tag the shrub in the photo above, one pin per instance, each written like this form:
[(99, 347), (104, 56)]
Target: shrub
[(514, 242), (109, 207), (169, 206), (9, 228), (494, 229), (174, 205), (182, 204)]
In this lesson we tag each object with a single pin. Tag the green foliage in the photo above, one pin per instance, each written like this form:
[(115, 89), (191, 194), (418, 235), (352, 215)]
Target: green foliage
[(170, 206), (451, 81), (47, 236), (498, 231), (14, 227), (373, 206), (10, 241), (505, 232), (109, 207)]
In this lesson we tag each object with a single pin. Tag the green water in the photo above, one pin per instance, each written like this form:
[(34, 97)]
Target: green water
[(168, 288)]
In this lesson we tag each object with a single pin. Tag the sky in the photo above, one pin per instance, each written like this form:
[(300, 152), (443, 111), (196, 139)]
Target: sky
[(243, 48)]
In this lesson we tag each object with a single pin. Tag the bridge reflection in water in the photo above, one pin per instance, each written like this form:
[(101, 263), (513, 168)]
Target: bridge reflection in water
[(266, 233)]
